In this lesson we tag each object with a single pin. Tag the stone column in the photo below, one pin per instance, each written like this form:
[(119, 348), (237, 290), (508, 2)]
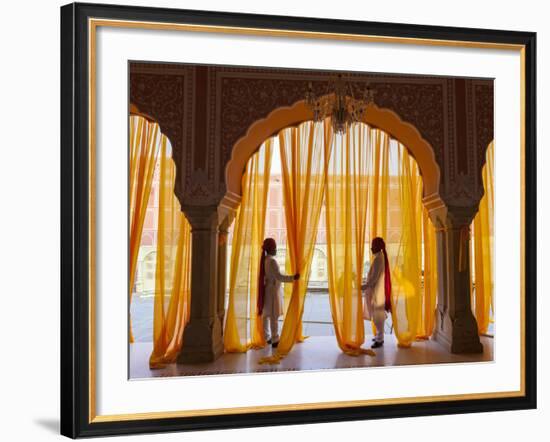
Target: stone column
[(202, 339), (456, 326)]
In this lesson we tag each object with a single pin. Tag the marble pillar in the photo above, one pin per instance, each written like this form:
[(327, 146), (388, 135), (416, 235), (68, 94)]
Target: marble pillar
[(202, 339), (456, 326)]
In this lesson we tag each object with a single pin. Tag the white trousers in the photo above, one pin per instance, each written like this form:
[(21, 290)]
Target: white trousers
[(375, 300), (379, 320), (271, 328)]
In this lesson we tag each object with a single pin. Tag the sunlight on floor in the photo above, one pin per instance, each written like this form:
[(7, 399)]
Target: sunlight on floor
[(316, 353)]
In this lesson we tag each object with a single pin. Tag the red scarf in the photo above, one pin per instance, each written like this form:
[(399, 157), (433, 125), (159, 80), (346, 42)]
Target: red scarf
[(268, 246), (377, 245)]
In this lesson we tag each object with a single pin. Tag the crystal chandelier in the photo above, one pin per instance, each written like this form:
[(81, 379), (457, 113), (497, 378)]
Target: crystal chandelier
[(339, 104)]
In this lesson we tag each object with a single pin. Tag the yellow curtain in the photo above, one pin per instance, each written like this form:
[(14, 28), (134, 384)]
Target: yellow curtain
[(362, 175), (379, 190), (302, 160), (429, 292), (405, 259), (243, 327), (173, 270), (347, 166), (379, 184), (427, 258), (144, 148), (395, 183), (483, 247)]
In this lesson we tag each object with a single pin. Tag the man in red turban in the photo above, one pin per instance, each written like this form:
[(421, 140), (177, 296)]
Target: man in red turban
[(378, 290), (270, 296)]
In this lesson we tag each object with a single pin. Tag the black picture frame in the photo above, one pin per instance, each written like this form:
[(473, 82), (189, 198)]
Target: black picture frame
[(75, 398)]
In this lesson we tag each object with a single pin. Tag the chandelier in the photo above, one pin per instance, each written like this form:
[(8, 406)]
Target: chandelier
[(339, 104)]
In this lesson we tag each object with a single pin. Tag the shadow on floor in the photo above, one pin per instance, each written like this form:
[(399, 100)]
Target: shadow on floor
[(52, 425), (315, 353)]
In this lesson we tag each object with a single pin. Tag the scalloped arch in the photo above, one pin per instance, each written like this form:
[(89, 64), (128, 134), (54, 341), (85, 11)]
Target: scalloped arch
[(283, 117)]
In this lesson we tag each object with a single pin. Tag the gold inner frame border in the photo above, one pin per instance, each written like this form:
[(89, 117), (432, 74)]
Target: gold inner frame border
[(93, 24)]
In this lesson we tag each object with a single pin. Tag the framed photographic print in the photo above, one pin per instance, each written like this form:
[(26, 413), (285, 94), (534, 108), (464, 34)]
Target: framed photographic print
[(273, 220)]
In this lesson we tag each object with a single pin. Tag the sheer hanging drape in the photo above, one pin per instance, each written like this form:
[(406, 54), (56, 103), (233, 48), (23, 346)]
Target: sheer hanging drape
[(379, 184), (361, 176), (395, 183), (427, 257), (429, 292), (243, 328), (405, 256), (348, 163), (302, 160), (483, 248), (173, 269), (145, 138), (379, 190)]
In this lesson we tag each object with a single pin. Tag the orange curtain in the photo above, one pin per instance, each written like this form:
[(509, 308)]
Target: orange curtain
[(427, 257), (482, 272), (348, 163), (379, 190), (370, 174), (405, 259), (379, 184), (302, 160), (396, 213), (429, 292), (144, 147), (173, 269), (243, 328)]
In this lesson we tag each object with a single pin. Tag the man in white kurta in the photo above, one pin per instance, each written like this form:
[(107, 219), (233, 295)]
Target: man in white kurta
[(273, 298), (375, 297)]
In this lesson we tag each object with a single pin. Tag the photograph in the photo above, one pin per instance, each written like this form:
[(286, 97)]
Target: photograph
[(347, 222), (276, 220)]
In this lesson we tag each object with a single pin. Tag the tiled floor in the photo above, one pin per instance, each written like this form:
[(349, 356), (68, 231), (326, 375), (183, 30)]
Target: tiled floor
[(316, 353)]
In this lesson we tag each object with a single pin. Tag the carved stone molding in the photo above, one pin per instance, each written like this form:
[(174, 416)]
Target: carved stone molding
[(418, 104), (484, 130), (470, 130), (247, 98), (239, 96), (484, 114), (162, 96), (201, 218), (463, 190)]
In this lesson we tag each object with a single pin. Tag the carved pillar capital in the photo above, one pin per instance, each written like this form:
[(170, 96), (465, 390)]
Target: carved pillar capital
[(459, 216), (201, 218)]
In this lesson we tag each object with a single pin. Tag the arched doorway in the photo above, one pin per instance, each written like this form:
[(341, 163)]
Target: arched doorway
[(384, 119), (341, 281), (283, 117)]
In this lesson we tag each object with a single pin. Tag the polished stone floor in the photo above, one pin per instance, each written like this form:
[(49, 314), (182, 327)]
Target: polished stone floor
[(317, 320), (315, 353)]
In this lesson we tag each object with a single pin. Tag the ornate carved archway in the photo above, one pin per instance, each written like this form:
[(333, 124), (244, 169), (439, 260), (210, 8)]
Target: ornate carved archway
[(282, 117)]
